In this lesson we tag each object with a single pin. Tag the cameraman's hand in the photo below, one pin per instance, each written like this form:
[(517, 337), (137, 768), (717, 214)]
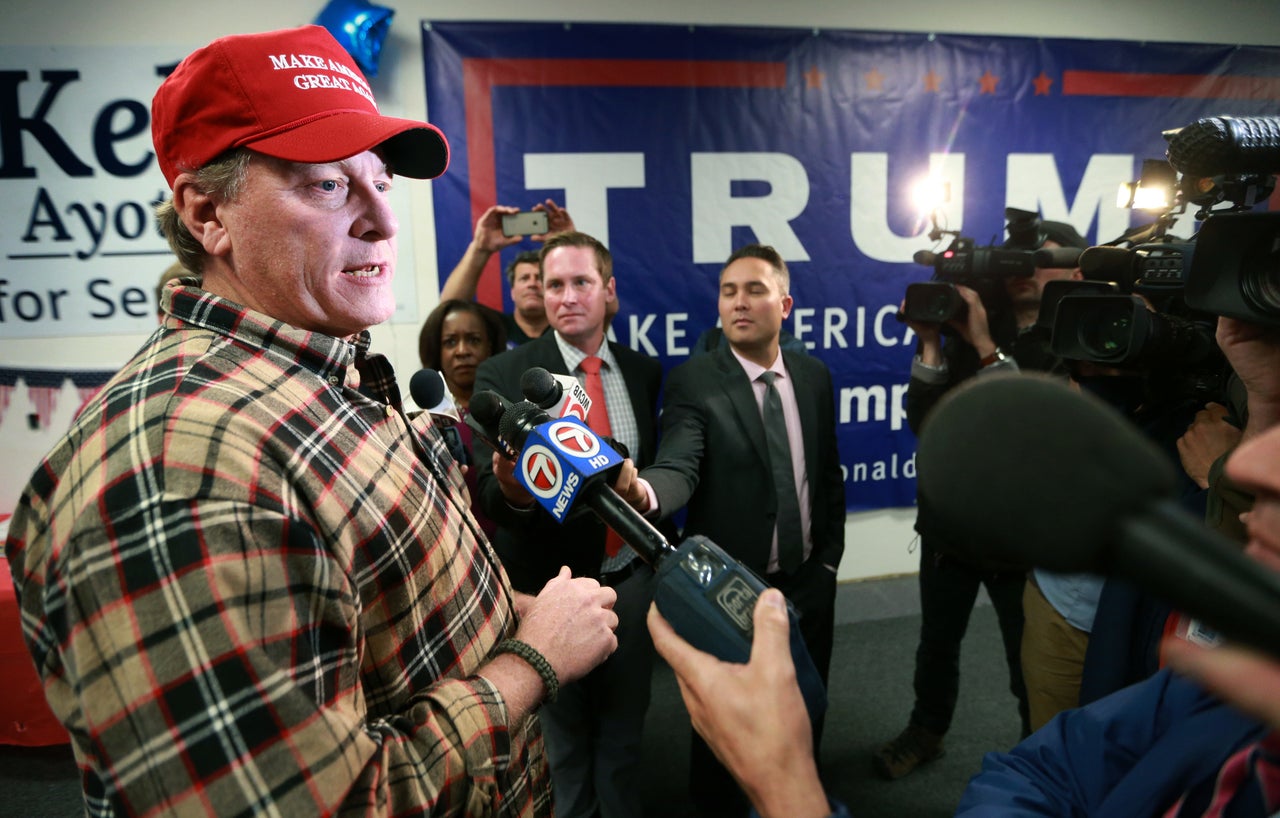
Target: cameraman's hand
[(1254, 353), (973, 327), (1207, 438), (752, 716), (930, 336)]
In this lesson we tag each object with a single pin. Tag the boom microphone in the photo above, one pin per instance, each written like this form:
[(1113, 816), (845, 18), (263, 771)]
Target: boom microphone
[(925, 257), (1220, 145), (1104, 263), (1029, 470), (1057, 257)]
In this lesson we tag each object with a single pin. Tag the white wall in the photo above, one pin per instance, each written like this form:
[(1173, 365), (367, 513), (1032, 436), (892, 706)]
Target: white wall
[(880, 543)]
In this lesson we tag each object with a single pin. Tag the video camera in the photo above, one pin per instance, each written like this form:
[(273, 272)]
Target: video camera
[(983, 269), (1166, 293)]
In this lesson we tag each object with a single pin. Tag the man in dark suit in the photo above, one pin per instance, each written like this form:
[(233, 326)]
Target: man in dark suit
[(718, 459), (593, 729)]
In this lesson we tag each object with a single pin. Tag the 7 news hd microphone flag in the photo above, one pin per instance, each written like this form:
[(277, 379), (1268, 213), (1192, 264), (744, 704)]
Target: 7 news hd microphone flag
[(675, 145), (557, 459)]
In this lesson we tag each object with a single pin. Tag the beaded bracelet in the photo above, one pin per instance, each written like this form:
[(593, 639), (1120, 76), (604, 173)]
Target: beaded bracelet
[(536, 660)]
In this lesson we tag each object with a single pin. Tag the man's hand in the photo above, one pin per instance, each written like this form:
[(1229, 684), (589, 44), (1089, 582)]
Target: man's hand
[(1208, 438), (1243, 677), (558, 220), (974, 328), (753, 716), (514, 493), (522, 602), (1254, 353), (489, 237), (930, 336), (629, 487), (571, 622)]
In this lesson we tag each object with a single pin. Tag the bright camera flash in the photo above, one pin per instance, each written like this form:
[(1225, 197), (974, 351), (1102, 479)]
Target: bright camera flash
[(931, 193)]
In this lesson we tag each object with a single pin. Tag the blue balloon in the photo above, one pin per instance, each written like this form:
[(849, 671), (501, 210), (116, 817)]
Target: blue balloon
[(359, 27)]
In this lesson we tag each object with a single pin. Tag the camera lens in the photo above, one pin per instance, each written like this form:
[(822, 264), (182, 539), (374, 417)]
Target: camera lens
[(1260, 285), (939, 305), (1105, 333)]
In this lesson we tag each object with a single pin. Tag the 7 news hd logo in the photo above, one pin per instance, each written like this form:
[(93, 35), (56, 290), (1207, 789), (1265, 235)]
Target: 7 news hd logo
[(558, 457)]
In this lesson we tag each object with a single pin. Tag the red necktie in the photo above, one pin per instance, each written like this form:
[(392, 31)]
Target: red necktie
[(598, 420)]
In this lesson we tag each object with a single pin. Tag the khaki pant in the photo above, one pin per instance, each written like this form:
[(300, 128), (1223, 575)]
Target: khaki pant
[(1052, 658)]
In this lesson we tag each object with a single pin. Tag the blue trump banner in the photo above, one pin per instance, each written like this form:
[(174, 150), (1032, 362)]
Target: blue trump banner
[(675, 145)]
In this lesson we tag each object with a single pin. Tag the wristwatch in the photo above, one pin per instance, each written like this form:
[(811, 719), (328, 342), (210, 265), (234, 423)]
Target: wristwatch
[(994, 358)]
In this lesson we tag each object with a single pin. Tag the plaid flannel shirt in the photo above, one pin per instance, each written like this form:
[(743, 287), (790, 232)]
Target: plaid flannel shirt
[(250, 589)]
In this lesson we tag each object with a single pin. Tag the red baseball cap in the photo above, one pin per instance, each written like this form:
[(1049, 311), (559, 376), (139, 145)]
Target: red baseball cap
[(293, 94)]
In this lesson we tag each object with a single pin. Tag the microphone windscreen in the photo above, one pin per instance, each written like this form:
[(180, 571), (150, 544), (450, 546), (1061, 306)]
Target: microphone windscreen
[(518, 419), (1031, 471), (427, 388), (1108, 264), (1057, 257), (539, 386), (1219, 145), (487, 407), (924, 257)]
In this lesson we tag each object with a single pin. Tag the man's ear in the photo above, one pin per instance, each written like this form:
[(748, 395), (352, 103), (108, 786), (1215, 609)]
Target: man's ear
[(787, 302), (199, 212)]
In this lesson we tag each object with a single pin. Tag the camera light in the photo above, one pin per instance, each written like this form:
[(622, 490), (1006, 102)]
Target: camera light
[(1151, 198), (1153, 190), (931, 193), (1124, 196)]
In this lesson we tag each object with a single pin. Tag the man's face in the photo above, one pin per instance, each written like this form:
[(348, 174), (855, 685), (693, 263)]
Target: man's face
[(752, 304), (526, 289), (1027, 292), (575, 296), (311, 245), (464, 345), (1254, 466)]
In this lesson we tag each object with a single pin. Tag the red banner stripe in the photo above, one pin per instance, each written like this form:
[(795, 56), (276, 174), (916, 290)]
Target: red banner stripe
[(1189, 86)]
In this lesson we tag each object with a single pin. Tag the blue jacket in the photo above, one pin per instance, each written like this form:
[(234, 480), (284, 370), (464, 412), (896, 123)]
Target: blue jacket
[(1130, 754)]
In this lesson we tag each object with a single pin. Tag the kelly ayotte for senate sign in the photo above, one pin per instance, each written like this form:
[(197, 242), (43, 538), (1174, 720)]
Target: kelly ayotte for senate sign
[(79, 184)]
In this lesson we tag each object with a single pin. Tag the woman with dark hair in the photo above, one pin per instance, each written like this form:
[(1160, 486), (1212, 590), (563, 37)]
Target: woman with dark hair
[(455, 339)]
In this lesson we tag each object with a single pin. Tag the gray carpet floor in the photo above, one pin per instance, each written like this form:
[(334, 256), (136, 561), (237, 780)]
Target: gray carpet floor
[(877, 624)]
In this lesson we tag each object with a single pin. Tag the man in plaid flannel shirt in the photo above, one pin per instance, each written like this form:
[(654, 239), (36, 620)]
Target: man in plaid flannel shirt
[(251, 585)]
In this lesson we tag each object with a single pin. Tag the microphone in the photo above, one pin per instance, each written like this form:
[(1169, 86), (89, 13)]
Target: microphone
[(707, 595), (1116, 264), (1056, 257), (487, 408), (559, 395), (427, 389), (1028, 470), (560, 463), (1220, 145), (925, 257)]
